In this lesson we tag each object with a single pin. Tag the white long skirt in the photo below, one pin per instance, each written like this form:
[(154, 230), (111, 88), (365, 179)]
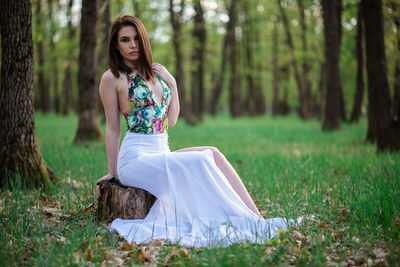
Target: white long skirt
[(196, 205)]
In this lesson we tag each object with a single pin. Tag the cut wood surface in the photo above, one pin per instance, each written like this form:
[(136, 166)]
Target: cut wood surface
[(120, 201)]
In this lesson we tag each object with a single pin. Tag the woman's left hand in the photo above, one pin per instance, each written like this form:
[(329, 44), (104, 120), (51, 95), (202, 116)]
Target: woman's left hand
[(161, 71), (105, 177)]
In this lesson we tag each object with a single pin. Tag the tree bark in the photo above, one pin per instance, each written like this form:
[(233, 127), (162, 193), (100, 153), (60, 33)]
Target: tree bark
[(358, 95), (124, 202), (284, 107), (136, 8), (68, 64), (387, 130), (396, 86), (339, 9), (53, 56), (275, 77), (306, 66), (105, 16), (217, 90), (256, 97), (234, 93), (303, 111), (19, 152), (332, 112), (89, 127), (43, 84), (198, 60), (176, 18)]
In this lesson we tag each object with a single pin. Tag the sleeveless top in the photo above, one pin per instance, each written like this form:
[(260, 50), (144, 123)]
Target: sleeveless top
[(146, 116)]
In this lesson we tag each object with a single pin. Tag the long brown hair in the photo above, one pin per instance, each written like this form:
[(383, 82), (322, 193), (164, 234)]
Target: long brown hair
[(114, 58)]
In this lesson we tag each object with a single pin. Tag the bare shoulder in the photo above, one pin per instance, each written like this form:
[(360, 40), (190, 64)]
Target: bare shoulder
[(108, 80)]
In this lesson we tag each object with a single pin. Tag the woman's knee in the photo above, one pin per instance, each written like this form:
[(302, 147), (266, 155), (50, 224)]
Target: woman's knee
[(217, 154)]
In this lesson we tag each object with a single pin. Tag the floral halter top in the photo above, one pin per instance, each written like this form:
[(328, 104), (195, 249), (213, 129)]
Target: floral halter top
[(146, 116)]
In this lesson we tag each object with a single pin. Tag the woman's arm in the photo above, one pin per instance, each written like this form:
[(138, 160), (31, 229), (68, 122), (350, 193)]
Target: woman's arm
[(109, 97), (173, 108)]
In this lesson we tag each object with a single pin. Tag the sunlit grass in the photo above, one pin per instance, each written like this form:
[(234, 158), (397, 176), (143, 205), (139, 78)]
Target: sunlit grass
[(290, 167)]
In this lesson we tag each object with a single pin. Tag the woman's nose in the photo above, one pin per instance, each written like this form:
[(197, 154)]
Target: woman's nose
[(133, 44)]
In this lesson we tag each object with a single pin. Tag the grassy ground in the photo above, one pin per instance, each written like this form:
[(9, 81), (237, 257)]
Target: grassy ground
[(291, 168)]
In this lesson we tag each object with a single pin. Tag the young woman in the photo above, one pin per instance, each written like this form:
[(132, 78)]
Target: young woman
[(201, 200)]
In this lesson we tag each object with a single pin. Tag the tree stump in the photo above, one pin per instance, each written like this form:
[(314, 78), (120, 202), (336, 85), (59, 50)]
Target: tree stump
[(124, 202)]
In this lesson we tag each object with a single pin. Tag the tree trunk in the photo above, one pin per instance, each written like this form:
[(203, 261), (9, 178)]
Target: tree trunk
[(198, 55), (53, 56), (217, 90), (234, 93), (358, 96), (396, 99), (332, 112), (106, 24), (103, 52), (303, 111), (124, 202), (261, 108), (396, 85), (89, 127), (176, 18), (256, 97), (306, 66), (19, 152), (322, 89), (67, 84), (387, 129), (275, 78), (283, 75), (339, 9), (136, 8), (43, 84)]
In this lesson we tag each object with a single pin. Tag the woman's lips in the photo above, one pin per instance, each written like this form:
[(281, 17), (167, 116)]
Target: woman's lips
[(134, 53)]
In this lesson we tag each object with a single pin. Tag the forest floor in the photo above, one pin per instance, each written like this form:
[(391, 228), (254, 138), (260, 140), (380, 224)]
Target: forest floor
[(349, 192)]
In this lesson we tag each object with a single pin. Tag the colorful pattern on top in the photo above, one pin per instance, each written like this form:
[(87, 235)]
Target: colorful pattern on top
[(146, 116)]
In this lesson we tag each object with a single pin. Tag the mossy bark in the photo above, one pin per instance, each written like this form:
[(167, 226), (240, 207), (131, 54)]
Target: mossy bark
[(19, 152)]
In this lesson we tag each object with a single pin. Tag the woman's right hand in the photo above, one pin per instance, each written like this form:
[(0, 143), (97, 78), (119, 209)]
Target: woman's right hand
[(105, 177)]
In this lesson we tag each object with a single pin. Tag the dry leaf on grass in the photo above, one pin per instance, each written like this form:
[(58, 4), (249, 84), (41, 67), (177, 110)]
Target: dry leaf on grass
[(379, 252), (89, 208), (127, 246), (297, 235), (89, 254), (144, 256), (176, 253)]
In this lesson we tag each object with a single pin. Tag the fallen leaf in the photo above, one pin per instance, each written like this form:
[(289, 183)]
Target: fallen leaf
[(51, 212), (360, 258), (89, 254), (269, 250), (127, 246), (379, 252), (144, 256), (186, 253), (295, 249), (155, 243), (297, 235), (89, 208), (345, 212), (108, 255)]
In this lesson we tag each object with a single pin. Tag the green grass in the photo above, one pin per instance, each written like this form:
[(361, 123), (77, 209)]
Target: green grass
[(290, 167)]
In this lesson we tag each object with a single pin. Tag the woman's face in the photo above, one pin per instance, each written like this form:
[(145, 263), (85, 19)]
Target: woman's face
[(128, 44)]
